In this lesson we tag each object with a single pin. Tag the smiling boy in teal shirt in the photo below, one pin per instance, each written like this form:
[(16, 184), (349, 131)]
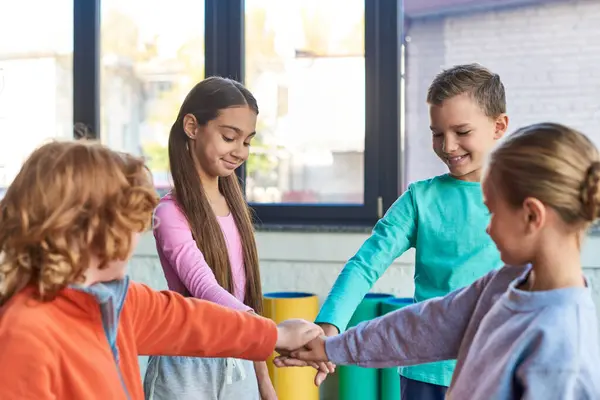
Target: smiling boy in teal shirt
[(443, 218)]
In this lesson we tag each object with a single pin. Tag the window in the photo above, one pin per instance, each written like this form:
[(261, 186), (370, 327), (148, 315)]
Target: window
[(328, 149), (337, 142), (152, 54), (326, 78), (305, 64), (545, 53), (36, 80)]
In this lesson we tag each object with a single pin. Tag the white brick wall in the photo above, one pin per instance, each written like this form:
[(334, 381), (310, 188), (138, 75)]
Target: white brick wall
[(547, 56)]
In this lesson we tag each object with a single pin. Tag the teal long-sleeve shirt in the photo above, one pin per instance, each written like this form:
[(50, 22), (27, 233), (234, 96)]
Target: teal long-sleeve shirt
[(445, 220)]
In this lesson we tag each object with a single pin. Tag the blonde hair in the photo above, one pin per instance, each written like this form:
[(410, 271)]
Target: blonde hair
[(69, 202), (484, 86), (553, 163)]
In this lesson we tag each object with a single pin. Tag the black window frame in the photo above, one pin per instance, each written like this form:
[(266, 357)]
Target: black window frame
[(86, 68), (225, 56), (383, 160)]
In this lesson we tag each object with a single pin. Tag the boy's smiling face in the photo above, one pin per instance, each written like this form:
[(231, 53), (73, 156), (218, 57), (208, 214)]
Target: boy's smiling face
[(463, 135)]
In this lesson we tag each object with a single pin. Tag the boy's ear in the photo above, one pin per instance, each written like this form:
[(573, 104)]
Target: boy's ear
[(501, 126)]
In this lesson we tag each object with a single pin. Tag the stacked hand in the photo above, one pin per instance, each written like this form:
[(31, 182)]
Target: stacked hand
[(293, 334), (311, 352)]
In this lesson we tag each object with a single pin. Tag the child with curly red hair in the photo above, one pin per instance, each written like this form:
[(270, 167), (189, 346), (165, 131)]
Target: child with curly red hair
[(71, 322)]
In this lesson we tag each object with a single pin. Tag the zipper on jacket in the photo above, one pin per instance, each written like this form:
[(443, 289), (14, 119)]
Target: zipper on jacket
[(116, 358), (108, 310), (110, 313), (107, 295)]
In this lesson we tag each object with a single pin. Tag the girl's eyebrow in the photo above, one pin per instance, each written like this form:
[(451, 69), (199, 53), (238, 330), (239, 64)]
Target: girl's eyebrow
[(236, 129)]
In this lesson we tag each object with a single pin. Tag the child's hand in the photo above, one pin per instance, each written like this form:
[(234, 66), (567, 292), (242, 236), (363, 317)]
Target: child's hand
[(313, 354), (323, 368), (313, 351), (330, 330), (294, 334)]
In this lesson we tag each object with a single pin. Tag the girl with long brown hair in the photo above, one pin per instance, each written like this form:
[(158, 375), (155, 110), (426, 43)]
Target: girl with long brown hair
[(205, 237)]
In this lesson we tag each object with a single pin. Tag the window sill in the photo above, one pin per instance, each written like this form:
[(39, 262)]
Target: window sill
[(308, 228), (307, 244), (313, 228)]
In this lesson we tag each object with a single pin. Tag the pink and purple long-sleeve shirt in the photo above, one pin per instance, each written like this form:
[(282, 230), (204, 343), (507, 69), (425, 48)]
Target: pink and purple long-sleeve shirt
[(185, 268)]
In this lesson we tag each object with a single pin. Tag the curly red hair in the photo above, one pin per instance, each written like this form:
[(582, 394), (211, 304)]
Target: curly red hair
[(69, 202)]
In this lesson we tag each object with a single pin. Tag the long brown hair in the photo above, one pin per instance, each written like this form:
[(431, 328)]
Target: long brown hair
[(69, 202), (205, 101)]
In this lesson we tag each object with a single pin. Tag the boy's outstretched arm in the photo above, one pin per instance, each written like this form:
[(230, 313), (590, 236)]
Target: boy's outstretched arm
[(391, 237), (424, 332), (166, 323)]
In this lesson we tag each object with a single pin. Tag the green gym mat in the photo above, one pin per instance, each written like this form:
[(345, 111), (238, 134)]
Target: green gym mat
[(356, 383), (390, 380)]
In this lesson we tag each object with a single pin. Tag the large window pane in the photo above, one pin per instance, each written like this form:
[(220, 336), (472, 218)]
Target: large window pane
[(36, 79), (152, 55), (546, 54), (305, 64)]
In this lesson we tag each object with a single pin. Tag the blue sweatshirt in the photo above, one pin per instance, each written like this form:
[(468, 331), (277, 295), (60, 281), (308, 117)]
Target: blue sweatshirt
[(509, 343), (445, 220)]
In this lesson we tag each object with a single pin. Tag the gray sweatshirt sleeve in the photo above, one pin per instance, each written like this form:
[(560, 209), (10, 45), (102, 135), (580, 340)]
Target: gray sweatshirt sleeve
[(556, 383), (424, 332)]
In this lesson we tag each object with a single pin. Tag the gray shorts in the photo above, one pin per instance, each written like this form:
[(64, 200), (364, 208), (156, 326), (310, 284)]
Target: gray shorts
[(191, 378)]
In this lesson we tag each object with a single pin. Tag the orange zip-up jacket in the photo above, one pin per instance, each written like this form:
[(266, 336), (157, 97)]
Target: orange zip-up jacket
[(84, 344)]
